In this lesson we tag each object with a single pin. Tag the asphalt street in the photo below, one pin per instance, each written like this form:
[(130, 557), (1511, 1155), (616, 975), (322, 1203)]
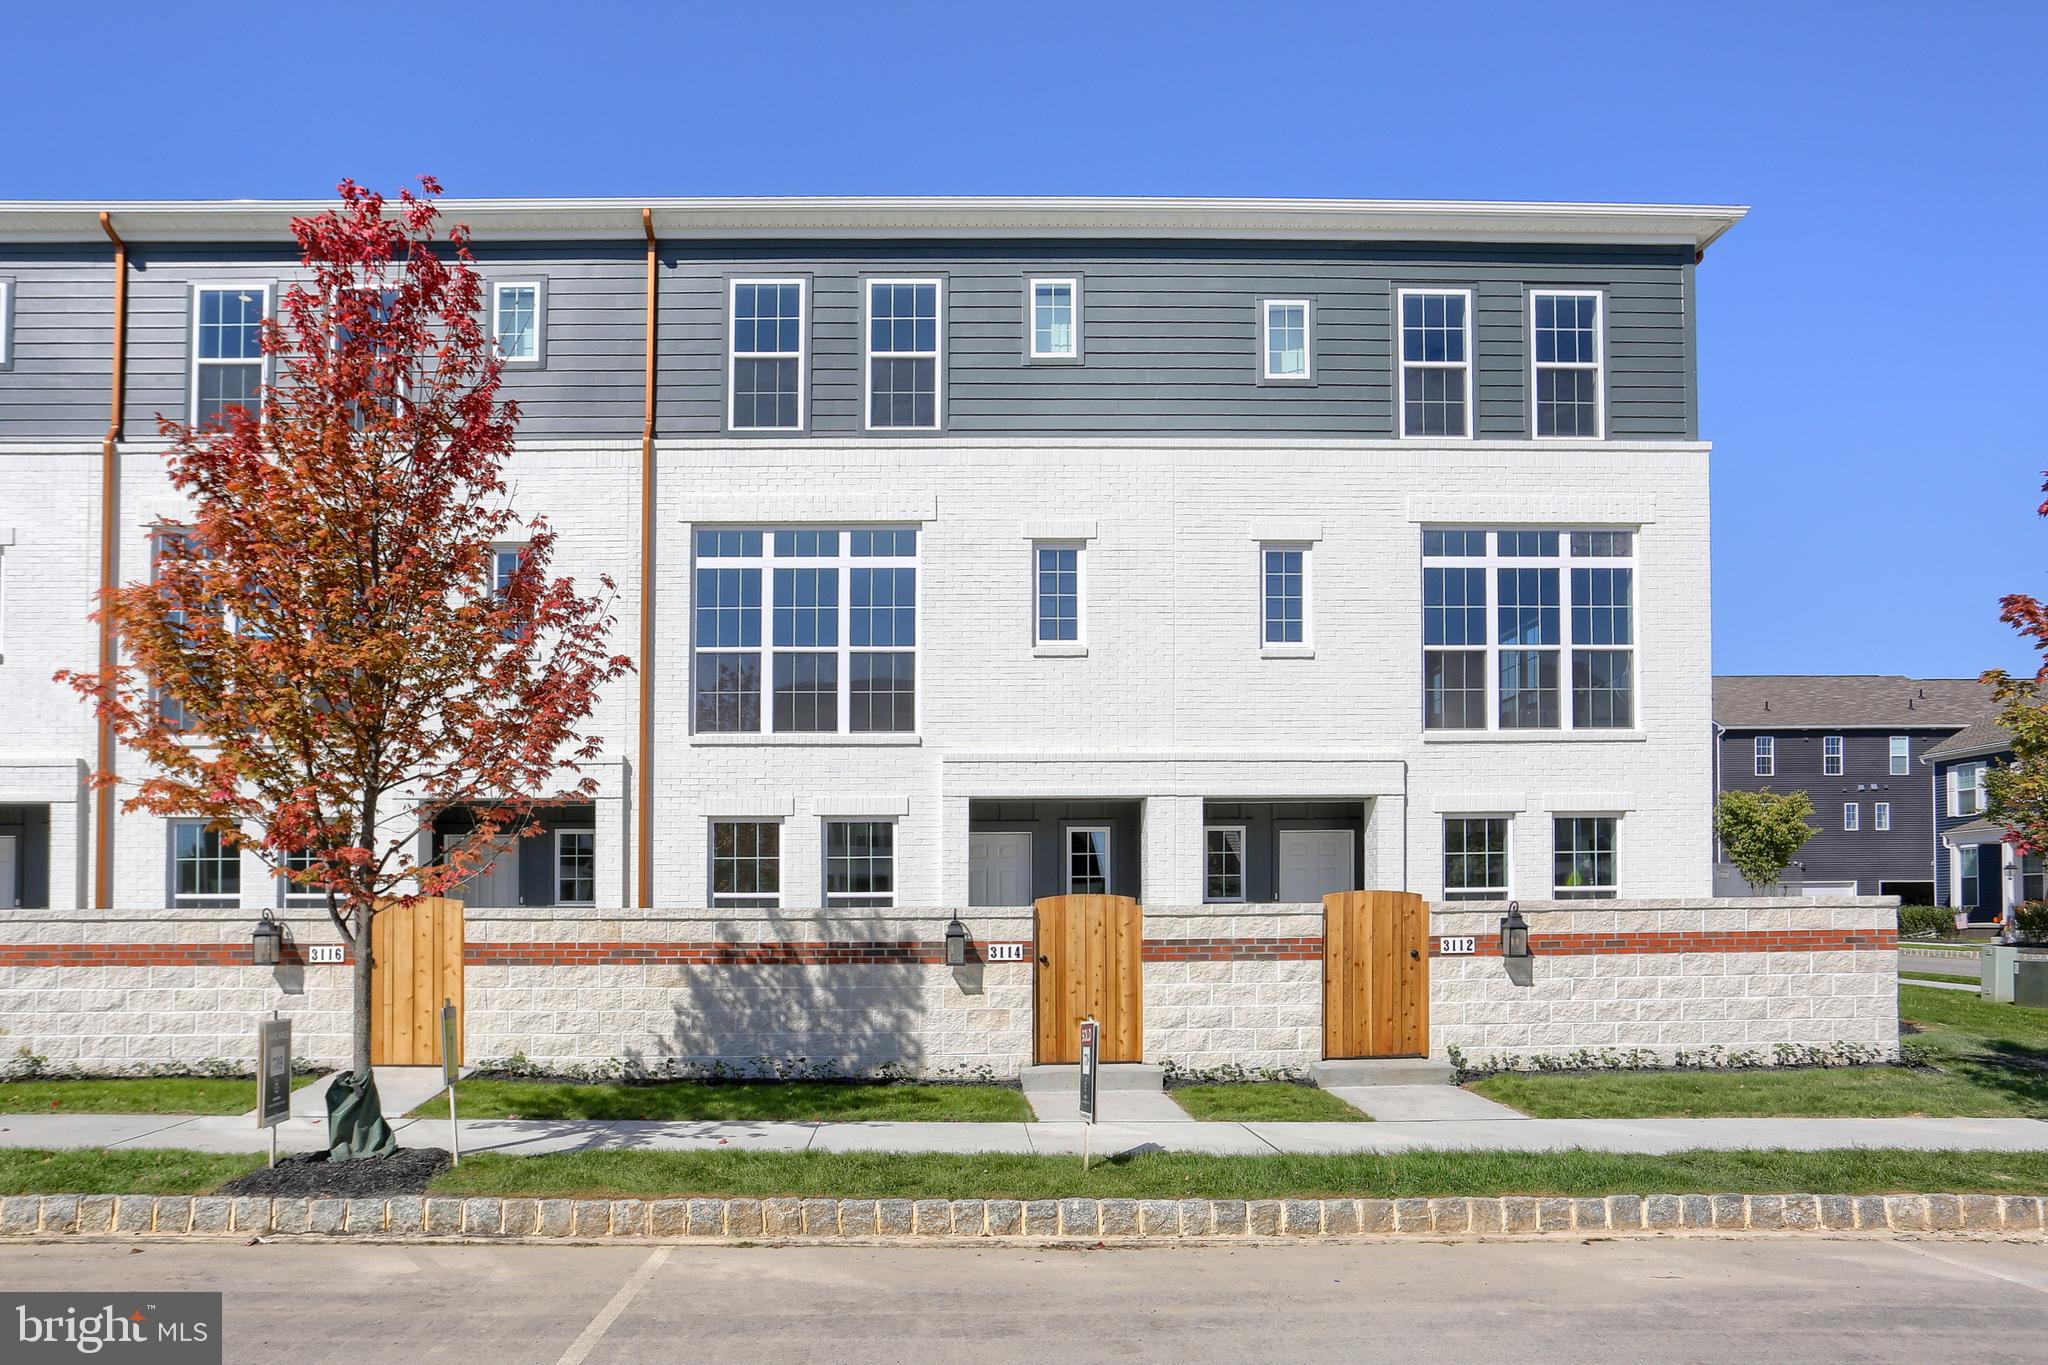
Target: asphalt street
[(1664, 1299)]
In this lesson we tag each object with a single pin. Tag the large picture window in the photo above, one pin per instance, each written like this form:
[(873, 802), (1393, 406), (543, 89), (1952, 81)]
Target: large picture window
[(905, 339), (767, 378), (1528, 630), (838, 653)]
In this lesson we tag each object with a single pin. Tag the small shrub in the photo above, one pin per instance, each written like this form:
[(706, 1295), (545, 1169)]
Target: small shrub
[(2032, 918), (1178, 1075), (1928, 921), (1716, 1058)]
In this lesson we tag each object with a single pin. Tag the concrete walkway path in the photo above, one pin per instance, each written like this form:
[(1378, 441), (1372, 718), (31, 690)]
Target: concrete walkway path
[(530, 1137)]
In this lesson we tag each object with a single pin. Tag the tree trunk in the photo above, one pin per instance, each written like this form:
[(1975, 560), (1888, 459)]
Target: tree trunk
[(360, 1014)]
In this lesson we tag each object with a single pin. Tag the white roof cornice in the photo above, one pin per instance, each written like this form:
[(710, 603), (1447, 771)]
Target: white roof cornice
[(1362, 220)]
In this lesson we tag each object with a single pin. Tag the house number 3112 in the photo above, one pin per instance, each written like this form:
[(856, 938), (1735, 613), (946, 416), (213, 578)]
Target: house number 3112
[(1453, 947)]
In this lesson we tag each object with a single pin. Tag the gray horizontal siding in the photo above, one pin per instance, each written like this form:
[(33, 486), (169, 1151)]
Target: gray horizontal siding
[(58, 386)]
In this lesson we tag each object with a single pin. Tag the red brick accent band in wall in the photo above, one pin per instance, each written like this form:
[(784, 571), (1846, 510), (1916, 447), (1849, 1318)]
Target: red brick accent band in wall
[(910, 952)]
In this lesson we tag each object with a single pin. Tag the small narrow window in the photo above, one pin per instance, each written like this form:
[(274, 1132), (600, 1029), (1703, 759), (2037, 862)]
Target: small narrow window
[(1088, 860), (1566, 328), (1058, 593), (1475, 858), (1766, 756), (1436, 368), (1285, 594), (860, 863), (6, 324), (1881, 816), (516, 316), (205, 868), (1055, 319), (1966, 868), (1831, 756), (575, 867), (746, 863), (227, 352), (1901, 755), (2033, 884), (1223, 863), (1852, 817), (767, 379), (1584, 857), (904, 344), (1287, 339)]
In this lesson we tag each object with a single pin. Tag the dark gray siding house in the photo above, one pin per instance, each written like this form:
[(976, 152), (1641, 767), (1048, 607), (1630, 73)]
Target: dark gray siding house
[(1857, 746), (1975, 869)]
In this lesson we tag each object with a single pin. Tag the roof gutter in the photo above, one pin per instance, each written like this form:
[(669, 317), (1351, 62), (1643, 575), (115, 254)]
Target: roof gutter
[(110, 487), (643, 798)]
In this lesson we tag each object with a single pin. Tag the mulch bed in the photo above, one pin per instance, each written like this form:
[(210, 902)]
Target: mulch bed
[(310, 1175)]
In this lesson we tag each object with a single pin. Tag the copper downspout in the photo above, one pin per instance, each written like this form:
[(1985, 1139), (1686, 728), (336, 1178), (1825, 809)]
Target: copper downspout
[(643, 840), (103, 799)]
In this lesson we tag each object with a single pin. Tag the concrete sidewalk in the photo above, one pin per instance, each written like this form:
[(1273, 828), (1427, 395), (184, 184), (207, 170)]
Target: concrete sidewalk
[(530, 1137)]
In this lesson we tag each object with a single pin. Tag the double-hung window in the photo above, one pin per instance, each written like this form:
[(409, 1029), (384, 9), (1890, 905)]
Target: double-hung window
[(1561, 616), (746, 863), (227, 351), (860, 863), (1088, 860), (1223, 863), (297, 893), (1831, 756), (1436, 362), (1057, 595), (1286, 339), (518, 313), (905, 343), (839, 650), (1966, 789), (1475, 858), (2033, 884), (1583, 857), (205, 868), (1881, 815), (1901, 755), (1766, 761), (1566, 327), (1284, 594), (6, 324), (1966, 870), (575, 867), (767, 356), (1852, 816), (1054, 319)]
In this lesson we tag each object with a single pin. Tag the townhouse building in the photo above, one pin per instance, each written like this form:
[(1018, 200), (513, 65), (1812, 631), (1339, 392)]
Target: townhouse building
[(1214, 554), (1976, 869)]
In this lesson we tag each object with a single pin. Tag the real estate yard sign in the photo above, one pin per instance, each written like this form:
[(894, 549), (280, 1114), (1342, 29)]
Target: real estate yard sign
[(273, 1076)]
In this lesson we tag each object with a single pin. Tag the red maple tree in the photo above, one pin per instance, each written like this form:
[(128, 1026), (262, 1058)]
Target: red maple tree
[(330, 651)]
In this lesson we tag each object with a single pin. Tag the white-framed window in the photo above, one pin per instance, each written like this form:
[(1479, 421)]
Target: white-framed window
[(765, 369), (1766, 756), (575, 867), (860, 863), (1436, 362), (1852, 817), (1223, 863), (746, 863), (2033, 884), (1966, 789), (1831, 756), (1528, 629), (1284, 594), (813, 628), (1053, 312), (518, 321), (1058, 592), (1475, 857), (227, 350), (1566, 326), (1088, 860), (295, 894), (1583, 864), (905, 347), (1966, 868), (1287, 339), (1901, 755), (204, 868), (1881, 816), (6, 324)]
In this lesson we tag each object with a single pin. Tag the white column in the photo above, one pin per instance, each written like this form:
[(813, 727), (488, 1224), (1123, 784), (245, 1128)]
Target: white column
[(1388, 856), (1172, 842), (952, 851)]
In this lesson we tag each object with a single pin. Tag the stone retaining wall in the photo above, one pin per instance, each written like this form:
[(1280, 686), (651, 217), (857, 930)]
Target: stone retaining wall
[(789, 1219)]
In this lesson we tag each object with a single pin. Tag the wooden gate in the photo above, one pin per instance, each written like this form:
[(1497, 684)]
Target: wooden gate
[(415, 964), (1089, 963), (1375, 974)]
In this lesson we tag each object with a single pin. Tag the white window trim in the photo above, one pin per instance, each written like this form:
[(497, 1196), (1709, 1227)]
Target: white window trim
[(1899, 764), (1615, 886), (199, 289), (1244, 860), (1598, 365), (1031, 351), (733, 354), (1881, 816), (1834, 756), (556, 890), (868, 353), (825, 895), (7, 325), (540, 307), (233, 856), (1852, 817), (1305, 647), (1402, 365), (1507, 854), (1976, 769), (1078, 646), (292, 896), (711, 824), (1108, 865), (1308, 340), (1764, 751)]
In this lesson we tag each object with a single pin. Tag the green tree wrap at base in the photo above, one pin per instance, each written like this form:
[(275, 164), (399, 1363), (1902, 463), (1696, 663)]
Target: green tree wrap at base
[(355, 1120)]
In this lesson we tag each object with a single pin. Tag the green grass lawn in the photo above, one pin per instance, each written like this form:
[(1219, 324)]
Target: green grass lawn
[(1264, 1102), (138, 1095), (141, 1170), (1940, 976), (1173, 1175), (756, 1101), (1985, 1061)]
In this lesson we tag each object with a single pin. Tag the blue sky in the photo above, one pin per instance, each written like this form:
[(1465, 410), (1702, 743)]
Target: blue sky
[(1871, 339)]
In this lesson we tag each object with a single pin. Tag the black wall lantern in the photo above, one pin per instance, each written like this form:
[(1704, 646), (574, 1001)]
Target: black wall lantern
[(956, 944), (1514, 932), (266, 944)]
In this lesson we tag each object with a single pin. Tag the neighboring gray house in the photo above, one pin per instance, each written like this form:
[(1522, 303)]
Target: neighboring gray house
[(1856, 745), (1975, 869)]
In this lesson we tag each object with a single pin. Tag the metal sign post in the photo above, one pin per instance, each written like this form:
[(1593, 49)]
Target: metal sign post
[(1091, 1056), (451, 1065), (273, 1076)]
